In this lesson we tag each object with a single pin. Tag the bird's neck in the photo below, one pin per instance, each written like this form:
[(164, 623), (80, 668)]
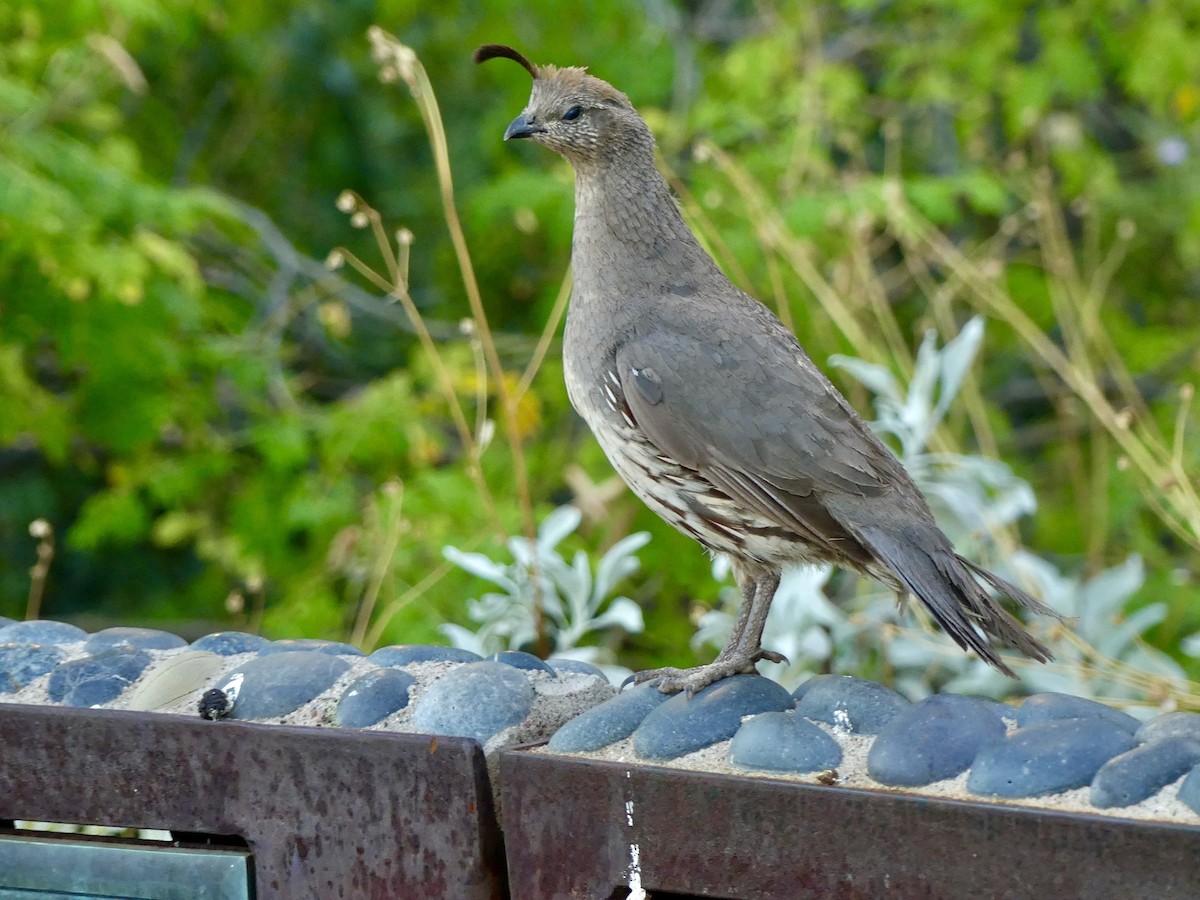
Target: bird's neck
[(626, 219)]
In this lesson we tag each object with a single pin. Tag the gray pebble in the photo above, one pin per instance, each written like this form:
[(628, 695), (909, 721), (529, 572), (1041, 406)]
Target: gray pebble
[(1051, 706), (575, 666), (274, 685), (798, 693), (1047, 758), (230, 643), (133, 638), (22, 663), (1169, 725), (373, 697), (519, 659), (1003, 710), (97, 679), (609, 722), (1189, 791), (685, 724), (41, 631), (784, 742), (404, 654), (173, 678), (1143, 771), (934, 739), (311, 645), (476, 700), (853, 704)]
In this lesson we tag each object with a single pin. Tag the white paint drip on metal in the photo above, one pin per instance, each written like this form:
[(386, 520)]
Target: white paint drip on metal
[(636, 891)]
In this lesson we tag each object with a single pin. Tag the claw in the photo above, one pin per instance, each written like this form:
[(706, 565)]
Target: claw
[(689, 681), (771, 656)]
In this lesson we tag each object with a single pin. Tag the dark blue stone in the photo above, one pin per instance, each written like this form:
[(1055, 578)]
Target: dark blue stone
[(41, 631), (576, 667), (133, 639), (22, 663), (373, 697), (230, 643), (850, 703), (404, 654), (798, 693), (1047, 758), (475, 700), (608, 722), (1051, 707), (280, 683), (931, 740), (1143, 771), (685, 724), (1169, 725), (784, 742), (92, 680), (1189, 791), (1004, 710), (519, 659), (311, 645)]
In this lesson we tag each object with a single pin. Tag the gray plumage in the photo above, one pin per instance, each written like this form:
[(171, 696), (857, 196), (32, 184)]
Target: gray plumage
[(712, 412)]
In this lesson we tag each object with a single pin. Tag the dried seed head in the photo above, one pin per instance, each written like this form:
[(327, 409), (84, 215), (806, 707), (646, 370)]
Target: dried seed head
[(235, 603), (487, 431)]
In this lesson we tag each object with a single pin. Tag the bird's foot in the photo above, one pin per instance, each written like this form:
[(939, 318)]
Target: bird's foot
[(671, 680)]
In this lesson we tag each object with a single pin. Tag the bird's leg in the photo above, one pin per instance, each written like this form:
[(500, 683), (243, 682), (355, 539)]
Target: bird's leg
[(750, 637), (749, 588), (742, 650)]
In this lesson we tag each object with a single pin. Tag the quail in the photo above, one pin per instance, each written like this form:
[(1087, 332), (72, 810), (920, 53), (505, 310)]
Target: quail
[(712, 412)]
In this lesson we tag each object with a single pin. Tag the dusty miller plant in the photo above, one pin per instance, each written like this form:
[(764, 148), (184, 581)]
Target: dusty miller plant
[(575, 601), (1100, 654)]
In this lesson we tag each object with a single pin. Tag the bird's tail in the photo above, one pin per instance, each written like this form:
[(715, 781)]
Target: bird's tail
[(923, 561)]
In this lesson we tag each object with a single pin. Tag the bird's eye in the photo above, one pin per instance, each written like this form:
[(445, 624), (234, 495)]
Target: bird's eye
[(572, 114)]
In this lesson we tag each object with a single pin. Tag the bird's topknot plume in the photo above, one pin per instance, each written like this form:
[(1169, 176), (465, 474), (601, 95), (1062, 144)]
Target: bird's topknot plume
[(499, 51)]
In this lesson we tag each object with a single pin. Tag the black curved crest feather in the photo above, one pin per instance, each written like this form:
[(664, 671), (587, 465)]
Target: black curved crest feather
[(494, 51)]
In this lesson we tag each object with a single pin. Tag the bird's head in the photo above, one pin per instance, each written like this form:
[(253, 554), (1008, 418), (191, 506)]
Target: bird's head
[(575, 114)]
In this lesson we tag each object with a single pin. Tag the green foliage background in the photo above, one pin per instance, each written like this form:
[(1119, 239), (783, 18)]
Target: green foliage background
[(214, 424)]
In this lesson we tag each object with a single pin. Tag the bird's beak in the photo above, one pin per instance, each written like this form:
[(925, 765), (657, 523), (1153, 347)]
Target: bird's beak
[(522, 127)]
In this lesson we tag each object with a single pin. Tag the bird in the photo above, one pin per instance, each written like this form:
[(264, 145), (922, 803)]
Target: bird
[(711, 411)]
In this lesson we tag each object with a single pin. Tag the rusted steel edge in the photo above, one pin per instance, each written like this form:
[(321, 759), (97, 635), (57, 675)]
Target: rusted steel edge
[(583, 828), (326, 812)]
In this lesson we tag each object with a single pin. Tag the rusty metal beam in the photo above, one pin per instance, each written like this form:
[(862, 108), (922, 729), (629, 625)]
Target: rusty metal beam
[(568, 834), (326, 812)]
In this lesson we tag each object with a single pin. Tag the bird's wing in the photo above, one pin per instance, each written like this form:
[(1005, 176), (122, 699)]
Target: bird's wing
[(754, 415)]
